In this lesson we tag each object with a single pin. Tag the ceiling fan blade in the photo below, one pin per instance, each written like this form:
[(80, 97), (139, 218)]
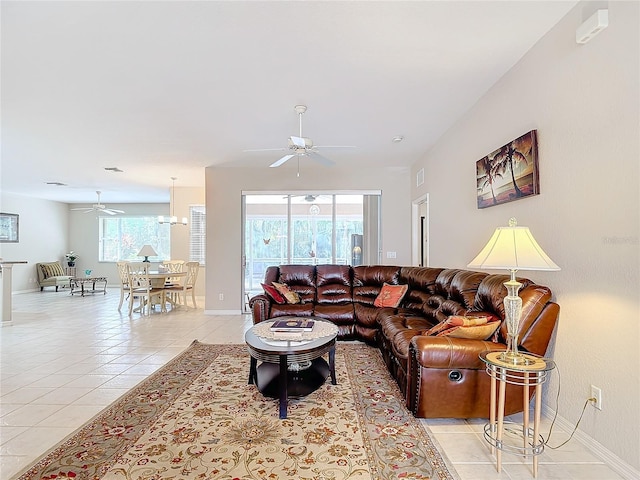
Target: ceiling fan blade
[(277, 163), (320, 159), (335, 146), (112, 211), (84, 209), (267, 150)]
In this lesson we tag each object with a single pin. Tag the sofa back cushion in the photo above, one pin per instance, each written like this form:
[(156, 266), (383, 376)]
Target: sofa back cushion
[(333, 284), (421, 282), (464, 286), (490, 298), (300, 279), (368, 281)]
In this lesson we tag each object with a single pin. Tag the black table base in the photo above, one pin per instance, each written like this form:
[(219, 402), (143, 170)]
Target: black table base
[(278, 381)]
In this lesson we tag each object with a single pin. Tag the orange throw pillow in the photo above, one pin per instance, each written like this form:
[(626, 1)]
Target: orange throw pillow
[(390, 295), (477, 328)]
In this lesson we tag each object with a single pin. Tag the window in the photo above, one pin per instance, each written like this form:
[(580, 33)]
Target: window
[(122, 237), (197, 233), (310, 229)]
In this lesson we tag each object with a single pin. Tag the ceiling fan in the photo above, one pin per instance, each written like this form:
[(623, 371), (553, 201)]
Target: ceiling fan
[(300, 146), (307, 197), (98, 207)]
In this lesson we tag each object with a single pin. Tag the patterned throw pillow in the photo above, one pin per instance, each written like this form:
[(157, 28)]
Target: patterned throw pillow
[(53, 269), (390, 295), (477, 328), (271, 292), (287, 293)]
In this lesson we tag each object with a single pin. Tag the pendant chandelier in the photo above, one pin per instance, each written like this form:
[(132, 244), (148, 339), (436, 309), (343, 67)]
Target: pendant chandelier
[(172, 220)]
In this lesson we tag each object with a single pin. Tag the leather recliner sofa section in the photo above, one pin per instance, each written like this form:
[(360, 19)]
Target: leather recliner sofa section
[(439, 376)]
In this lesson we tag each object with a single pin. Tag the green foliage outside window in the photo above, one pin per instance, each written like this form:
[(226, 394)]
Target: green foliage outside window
[(122, 237)]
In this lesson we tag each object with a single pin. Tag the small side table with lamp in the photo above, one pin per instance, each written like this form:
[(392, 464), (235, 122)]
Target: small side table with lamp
[(513, 248)]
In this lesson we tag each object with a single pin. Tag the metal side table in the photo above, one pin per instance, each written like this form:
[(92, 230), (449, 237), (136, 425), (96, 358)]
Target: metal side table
[(533, 373)]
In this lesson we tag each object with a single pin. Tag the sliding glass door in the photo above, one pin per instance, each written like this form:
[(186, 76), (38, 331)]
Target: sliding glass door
[(307, 229)]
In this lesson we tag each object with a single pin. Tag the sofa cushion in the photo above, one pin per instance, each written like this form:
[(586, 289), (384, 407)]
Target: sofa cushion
[(53, 269), (390, 295), (273, 293), (478, 328), (333, 284), (297, 310), (368, 281), (300, 279), (289, 295)]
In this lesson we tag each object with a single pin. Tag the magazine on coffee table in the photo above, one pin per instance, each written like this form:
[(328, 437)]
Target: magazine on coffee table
[(292, 325)]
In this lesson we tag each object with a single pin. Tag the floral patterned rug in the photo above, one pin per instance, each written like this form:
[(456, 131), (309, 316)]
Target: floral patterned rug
[(197, 418)]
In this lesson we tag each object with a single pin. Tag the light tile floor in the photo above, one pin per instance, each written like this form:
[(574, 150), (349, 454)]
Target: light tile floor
[(66, 358)]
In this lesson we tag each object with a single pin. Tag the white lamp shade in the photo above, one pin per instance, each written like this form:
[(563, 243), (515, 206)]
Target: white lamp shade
[(147, 251), (513, 248)]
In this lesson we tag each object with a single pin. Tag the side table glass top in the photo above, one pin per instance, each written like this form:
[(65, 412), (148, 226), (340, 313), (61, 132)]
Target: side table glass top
[(535, 363)]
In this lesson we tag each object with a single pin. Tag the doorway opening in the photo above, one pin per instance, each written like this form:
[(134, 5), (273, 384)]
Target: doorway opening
[(420, 231)]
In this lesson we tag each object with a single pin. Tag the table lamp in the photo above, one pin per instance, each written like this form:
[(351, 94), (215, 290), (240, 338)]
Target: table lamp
[(147, 251), (513, 248)]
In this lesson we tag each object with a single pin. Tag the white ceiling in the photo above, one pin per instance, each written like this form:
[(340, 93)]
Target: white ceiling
[(162, 89)]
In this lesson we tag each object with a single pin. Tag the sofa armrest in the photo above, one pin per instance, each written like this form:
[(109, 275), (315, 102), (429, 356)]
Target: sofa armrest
[(446, 378), (260, 306), (450, 352)]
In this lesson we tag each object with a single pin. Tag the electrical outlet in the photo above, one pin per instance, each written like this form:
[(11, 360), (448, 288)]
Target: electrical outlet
[(596, 397), (221, 296)]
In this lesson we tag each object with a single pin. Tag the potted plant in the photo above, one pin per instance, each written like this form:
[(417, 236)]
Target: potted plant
[(71, 258)]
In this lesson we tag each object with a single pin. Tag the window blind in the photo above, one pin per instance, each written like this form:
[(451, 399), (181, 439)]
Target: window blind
[(197, 233)]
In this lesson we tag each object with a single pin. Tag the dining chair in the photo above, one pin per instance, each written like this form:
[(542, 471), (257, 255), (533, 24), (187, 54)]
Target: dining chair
[(173, 266), (188, 283), (140, 287), (124, 281)]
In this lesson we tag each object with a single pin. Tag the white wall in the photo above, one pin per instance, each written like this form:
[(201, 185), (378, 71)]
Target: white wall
[(224, 188), (44, 228), (584, 101)]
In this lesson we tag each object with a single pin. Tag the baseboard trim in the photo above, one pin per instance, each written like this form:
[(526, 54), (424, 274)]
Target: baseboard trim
[(223, 312), (17, 292), (621, 467)]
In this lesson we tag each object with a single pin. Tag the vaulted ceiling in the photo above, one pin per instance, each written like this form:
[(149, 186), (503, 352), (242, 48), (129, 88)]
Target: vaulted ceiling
[(164, 89)]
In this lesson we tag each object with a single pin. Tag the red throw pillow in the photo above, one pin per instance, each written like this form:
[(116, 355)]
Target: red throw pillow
[(289, 295), (273, 294), (390, 295)]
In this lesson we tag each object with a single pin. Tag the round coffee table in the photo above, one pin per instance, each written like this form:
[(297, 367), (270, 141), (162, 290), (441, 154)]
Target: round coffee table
[(292, 363)]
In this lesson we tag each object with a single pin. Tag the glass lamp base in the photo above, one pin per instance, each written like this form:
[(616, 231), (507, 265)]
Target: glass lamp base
[(515, 358)]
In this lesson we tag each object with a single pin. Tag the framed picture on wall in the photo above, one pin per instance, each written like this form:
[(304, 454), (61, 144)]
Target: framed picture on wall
[(9, 232), (509, 173)]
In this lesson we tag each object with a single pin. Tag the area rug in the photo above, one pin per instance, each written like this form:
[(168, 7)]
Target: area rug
[(198, 418)]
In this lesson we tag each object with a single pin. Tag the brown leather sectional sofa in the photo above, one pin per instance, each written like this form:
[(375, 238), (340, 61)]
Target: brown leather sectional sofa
[(439, 376)]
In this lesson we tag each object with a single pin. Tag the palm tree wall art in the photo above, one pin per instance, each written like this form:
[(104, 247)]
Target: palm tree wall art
[(509, 172)]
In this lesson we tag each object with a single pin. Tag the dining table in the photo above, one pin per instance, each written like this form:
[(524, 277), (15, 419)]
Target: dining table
[(159, 279)]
